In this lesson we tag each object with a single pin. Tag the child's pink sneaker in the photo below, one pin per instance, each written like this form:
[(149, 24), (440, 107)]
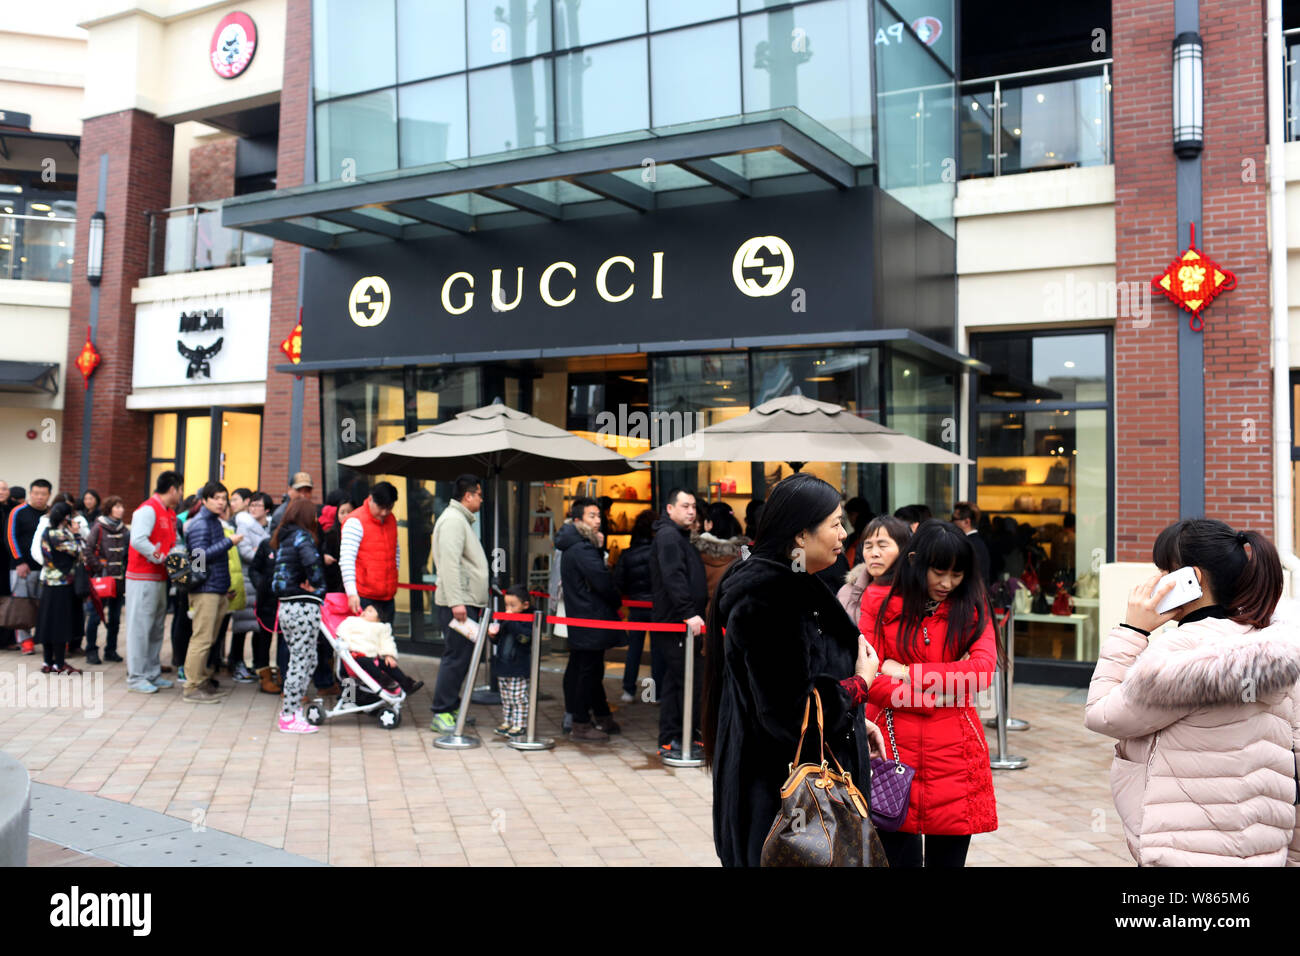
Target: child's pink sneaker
[(296, 724)]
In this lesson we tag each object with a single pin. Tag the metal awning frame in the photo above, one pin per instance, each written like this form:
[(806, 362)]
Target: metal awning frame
[(29, 377), (591, 169)]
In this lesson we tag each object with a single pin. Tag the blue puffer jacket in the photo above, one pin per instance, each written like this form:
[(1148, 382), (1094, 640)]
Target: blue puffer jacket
[(297, 560), (204, 533)]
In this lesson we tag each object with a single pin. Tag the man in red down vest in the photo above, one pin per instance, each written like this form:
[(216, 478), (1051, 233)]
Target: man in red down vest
[(369, 557), (153, 532)]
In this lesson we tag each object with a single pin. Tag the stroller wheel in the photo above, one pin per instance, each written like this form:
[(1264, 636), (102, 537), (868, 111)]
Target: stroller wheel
[(389, 718), (315, 714)]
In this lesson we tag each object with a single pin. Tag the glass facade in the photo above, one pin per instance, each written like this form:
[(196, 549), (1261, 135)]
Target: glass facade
[(470, 78), (1044, 470)]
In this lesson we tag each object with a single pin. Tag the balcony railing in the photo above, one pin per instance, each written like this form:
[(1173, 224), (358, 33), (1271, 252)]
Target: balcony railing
[(191, 238), (36, 247), (1041, 119)]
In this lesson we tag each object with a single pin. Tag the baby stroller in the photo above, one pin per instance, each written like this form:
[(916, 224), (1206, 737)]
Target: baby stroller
[(361, 693)]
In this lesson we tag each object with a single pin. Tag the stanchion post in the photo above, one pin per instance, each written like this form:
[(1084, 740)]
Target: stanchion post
[(688, 757), (532, 743), (457, 740), (1004, 761), (1009, 638)]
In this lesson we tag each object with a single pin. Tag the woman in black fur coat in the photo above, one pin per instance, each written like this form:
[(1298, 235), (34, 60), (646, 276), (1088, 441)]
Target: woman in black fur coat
[(785, 635)]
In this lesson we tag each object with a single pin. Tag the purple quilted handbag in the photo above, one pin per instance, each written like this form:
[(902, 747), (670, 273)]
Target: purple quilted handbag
[(891, 785)]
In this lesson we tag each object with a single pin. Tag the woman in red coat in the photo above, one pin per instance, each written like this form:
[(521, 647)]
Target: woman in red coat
[(929, 675)]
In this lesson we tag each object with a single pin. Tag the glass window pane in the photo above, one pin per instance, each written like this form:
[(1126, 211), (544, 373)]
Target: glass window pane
[(511, 108), (916, 122), (1049, 368), (198, 452), (696, 74), (358, 135), (1050, 125), (241, 445), (817, 58), (431, 123), (922, 402), (164, 435), (579, 22), (503, 30), (1042, 488), (430, 38), (352, 46), (602, 90), (665, 14)]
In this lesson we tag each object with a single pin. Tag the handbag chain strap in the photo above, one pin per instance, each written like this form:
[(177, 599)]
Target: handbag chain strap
[(893, 744)]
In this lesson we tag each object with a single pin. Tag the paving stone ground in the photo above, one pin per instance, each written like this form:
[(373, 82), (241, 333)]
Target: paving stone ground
[(356, 794)]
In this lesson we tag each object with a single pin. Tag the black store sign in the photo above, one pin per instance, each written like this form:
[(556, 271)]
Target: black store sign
[(777, 266)]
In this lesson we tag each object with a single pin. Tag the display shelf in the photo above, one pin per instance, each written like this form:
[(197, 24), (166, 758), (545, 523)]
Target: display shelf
[(1024, 484)]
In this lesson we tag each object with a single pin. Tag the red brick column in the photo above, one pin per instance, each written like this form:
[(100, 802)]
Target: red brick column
[(277, 425), (139, 149), (1238, 374), (1146, 224), (212, 171)]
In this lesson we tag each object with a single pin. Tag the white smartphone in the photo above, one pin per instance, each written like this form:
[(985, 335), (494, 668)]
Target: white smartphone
[(1186, 589)]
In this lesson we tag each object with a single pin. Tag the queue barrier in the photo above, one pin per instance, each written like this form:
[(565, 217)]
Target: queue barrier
[(1002, 620), (457, 739)]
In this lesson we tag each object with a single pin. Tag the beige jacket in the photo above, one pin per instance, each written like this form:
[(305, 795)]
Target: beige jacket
[(458, 559), (369, 638), (1208, 723), (850, 595)]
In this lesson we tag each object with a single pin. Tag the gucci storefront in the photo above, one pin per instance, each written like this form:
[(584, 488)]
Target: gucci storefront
[(683, 317)]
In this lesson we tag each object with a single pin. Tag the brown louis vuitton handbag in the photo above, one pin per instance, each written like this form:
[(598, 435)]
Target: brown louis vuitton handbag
[(824, 819)]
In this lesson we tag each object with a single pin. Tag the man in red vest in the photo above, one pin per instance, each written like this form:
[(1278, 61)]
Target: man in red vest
[(153, 532), (369, 557)]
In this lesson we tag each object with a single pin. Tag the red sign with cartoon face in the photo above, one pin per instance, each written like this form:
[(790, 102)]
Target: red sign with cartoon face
[(233, 43)]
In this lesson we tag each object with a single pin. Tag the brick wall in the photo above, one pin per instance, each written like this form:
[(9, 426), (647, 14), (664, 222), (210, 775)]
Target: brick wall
[(1146, 224), (1238, 375), (1238, 478), (212, 171), (139, 149), (277, 425)]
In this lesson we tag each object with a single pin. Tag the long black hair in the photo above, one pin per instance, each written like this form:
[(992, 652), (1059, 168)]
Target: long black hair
[(796, 505), (1247, 583), (940, 545)]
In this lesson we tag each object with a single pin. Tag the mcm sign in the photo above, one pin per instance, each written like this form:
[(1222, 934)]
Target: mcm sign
[(200, 358)]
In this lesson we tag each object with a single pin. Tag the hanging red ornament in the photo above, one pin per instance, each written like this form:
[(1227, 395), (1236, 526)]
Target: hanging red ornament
[(88, 360), (1193, 280), (292, 346)]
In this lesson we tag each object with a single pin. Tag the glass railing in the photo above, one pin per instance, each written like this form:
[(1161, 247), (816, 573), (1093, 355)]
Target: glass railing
[(1042, 119), (191, 238), (36, 247)]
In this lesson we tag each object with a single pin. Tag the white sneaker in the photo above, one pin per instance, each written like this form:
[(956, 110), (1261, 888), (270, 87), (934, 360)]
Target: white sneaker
[(297, 724), (626, 698)]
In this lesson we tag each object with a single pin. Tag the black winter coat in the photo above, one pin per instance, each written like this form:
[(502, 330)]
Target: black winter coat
[(681, 588), (632, 573), (785, 635), (588, 585)]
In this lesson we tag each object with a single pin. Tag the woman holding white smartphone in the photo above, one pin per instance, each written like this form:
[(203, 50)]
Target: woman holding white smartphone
[(1207, 717)]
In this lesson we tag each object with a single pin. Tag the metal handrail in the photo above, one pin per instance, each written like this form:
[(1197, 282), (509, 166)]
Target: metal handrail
[(16, 215), (192, 211), (1041, 72)]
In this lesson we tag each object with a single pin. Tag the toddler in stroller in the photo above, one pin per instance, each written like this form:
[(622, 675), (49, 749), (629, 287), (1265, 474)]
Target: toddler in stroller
[(365, 663)]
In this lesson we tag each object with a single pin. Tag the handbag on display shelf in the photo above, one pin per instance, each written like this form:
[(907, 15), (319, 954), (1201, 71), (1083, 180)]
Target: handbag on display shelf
[(1061, 604), (1022, 600), (844, 834), (1026, 503), (1039, 604), (629, 493), (891, 785)]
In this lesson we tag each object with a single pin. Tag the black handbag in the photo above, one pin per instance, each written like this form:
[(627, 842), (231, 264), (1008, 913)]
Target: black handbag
[(824, 819)]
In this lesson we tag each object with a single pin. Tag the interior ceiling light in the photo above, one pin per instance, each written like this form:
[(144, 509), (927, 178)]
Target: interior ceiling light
[(40, 206), (820, 378)]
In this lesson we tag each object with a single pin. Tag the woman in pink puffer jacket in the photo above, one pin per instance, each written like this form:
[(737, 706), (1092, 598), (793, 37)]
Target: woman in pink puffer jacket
[(1207, 715)]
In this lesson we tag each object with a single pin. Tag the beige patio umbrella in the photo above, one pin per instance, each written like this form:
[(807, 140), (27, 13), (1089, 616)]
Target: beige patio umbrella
[(797, 429)]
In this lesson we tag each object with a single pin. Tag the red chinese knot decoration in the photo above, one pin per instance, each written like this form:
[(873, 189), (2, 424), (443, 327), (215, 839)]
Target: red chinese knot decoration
[(1193, 280), (292, 346), (88, 360)]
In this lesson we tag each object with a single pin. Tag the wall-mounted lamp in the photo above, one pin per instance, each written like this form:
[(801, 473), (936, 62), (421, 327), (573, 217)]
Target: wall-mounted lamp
[(1189, 96), (95, 249)]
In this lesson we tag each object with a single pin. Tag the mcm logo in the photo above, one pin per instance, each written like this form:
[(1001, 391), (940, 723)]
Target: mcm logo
[(199, 358), (205, 321)]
